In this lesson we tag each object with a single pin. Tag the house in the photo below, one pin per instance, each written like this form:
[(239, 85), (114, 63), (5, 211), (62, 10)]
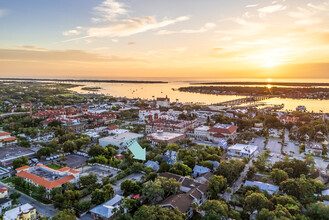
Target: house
[(165, 137), (173, 126), (204, 177), (163, 102), (242, 150), (23, 212), (170, 157), (148, 114), (222, 143), (106, 210), (120, 139), (153, 164), (215, 163), (313, 149), (217, 133), (194, 192), (41, 175), (3, 192), (199, 170), (269, 188), (5, 203), (6, 139)]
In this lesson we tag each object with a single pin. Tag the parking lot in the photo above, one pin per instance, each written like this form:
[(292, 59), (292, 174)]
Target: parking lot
[(72, 161), (274, 146), (99, 171)]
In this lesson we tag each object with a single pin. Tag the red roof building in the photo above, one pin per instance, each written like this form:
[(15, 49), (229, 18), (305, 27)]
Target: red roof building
[(41, 175)]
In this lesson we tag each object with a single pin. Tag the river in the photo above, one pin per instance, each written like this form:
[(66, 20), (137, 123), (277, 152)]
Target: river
[(151, 91)]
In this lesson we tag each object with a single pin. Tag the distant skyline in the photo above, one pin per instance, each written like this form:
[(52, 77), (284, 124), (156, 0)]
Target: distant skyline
[(157, 38)]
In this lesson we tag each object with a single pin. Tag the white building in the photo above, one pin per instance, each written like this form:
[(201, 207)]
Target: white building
[(5, 203), (26, 211), (119, 140), (163, 102), (148, 114), (242, 150), (164, 137), (6, 139)]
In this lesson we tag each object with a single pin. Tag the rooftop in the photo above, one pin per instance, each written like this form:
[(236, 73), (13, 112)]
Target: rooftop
[(164, 136), (13, 213)]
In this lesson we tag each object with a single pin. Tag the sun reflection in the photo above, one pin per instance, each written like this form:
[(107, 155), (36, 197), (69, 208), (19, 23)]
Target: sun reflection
[(268, 86)]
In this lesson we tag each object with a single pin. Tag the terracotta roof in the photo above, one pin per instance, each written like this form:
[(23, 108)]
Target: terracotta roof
[(74, 171), (8, 139), (64, 169), (3, 189), (22, 168), (113, 127), (41, 181), (229, 130), (4, 133)]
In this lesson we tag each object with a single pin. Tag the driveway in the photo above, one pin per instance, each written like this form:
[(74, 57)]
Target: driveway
[(43, 209)]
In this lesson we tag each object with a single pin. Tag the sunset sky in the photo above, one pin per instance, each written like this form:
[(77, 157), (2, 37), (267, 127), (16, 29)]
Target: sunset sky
[(164, 38)]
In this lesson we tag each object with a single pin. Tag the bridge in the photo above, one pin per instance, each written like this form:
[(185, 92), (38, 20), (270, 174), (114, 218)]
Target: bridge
[(249, 99)]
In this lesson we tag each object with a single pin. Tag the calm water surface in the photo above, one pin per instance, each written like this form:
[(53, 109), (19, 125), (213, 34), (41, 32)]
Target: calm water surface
[(151, 91)]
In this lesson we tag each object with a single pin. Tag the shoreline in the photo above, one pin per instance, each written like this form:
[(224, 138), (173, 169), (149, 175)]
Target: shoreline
[(264, 84), (84, 80)]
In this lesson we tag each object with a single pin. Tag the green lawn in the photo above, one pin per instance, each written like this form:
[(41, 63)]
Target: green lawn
[(54, 166)]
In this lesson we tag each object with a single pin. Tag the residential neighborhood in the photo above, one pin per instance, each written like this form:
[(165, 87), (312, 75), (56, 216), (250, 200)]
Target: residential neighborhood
[(98, 157)]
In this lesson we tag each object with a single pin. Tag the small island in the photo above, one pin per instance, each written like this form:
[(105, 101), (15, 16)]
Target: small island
[(93, 89)]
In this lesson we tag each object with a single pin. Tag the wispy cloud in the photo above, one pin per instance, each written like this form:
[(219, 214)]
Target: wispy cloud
[(71, 32), (205, 28), (251, 6), (109, 10), (117, 22), (132, 26), (271, 9)]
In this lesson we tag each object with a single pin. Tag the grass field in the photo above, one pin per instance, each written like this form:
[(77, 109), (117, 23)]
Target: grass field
[(54, 166)]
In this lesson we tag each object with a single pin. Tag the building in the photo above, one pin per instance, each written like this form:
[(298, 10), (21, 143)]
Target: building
[(313, 149), (194, 192), (106, 210), (269, 188), (217, 133), (175, 126), (3, 193), (163, 102), (148, 114), (153, 164), (199, 170), (73, 125), (120, 139), (23, 212), (165, 137), (170, 157), (5, 203), (227, 131), (242, 150), (6, 139), (41, 175)]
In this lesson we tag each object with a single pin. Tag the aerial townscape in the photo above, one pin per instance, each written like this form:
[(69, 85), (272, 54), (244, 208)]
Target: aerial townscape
[(164, 110), (67, 155)]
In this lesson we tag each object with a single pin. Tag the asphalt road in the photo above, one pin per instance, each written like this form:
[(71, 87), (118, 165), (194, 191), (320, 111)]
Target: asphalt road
[(43, 209)]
